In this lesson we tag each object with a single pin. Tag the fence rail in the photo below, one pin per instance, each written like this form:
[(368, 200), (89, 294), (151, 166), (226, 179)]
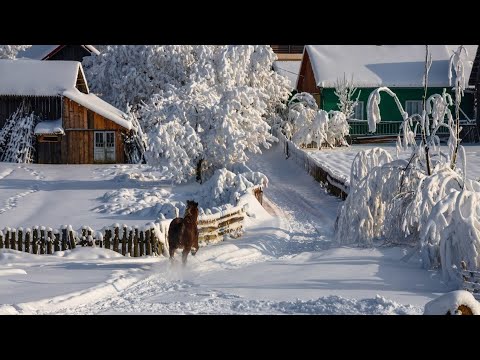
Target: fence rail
[(471, 280)]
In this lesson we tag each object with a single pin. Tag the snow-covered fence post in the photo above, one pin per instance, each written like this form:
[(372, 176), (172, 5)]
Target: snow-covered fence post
[(27, 240), (108, 236), (64, 238), (35, 240), (42, 240), (71, 238), (137, 247), (13, 238), (153, 242), (124, 240), (56, 242), (143, 244), (7, 238), (130, 241), (49, 241), (148, 244), (20, 239), (116, 238)]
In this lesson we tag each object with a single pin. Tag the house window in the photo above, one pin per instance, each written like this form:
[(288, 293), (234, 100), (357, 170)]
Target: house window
[(90, 119), (358, 111), (414, 107)]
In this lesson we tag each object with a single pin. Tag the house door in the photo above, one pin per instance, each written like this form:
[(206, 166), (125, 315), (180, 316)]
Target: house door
[(104, 147)]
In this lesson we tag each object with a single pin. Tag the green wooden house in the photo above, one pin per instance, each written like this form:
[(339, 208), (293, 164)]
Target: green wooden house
[(399, 67)]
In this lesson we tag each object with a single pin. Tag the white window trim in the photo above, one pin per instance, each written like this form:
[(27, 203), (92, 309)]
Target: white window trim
[(412, 102), (362, 107)]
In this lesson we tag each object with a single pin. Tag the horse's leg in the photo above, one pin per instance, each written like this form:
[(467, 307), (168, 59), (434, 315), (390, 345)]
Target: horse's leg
[(171, 250), (185, 252)]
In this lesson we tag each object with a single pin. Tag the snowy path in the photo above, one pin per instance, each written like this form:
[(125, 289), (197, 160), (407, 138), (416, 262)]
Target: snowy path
[(284, 264)]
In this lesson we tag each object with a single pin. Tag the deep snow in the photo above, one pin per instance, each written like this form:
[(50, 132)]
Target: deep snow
[(283, 264)]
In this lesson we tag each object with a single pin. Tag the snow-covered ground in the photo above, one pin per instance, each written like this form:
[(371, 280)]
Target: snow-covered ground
[(284, 264), (338, 161)]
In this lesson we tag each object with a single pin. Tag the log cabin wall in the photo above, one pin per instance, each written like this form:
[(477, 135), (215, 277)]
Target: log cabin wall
[(80, 124), (47, 107)]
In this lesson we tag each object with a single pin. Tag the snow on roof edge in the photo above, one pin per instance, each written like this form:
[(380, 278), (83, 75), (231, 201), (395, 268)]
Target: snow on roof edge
[(49, 127), (372, 65), (101, 107)]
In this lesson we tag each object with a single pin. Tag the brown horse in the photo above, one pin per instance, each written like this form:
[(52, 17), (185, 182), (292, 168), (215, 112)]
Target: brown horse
[(183, 232)]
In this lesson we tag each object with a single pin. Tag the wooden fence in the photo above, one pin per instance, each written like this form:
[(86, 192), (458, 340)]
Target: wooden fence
[(333, 185), (122, 239), (471, 280), (126, 240)]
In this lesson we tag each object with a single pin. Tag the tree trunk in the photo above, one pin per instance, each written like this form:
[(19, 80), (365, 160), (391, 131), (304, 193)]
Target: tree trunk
[(199, 170)]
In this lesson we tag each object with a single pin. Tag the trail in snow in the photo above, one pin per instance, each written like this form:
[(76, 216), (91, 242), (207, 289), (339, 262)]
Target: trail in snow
[(12, 201), (308, 208)]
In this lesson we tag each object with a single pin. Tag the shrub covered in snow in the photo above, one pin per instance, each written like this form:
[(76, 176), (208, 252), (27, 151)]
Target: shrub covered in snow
[(226, 187), (305, 124), (425, 201)]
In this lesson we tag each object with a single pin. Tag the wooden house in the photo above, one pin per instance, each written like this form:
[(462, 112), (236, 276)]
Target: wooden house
[(474, 81), (399, 67), (78, 127), (58, 52), (289, 60)]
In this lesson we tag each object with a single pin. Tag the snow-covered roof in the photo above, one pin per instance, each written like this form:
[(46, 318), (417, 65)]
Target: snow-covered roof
[(54, 78), (383, 65), (289, 69), (37, 78), (94, 103), (49, 127), (39, 52)]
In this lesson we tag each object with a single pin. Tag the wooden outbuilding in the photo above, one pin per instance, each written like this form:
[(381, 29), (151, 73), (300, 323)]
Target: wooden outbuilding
[(77, 127)]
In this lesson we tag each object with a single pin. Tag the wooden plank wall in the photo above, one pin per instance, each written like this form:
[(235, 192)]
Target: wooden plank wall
[(47, 107), (49, 153), (306, 79), (77, 145)]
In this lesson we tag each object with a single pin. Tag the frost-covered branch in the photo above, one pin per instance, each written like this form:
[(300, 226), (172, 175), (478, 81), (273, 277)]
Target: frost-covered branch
[(345, 91)]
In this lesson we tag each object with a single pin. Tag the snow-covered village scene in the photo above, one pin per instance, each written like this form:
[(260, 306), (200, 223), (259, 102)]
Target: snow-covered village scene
[(239, 179)]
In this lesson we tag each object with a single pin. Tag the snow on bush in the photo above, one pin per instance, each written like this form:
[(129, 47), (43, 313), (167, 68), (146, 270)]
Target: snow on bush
[(305, 124), (223, 96), (425, 201), (225, 188), (17, 139), (452, 303), (220, 192)]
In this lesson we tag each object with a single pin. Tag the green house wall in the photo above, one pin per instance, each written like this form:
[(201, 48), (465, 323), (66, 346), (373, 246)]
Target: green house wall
[(388, 108)]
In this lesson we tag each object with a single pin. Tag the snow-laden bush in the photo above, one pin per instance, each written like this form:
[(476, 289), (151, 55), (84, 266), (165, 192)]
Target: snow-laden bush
[(305, 124), (17, 139), (226, 187), (426, 200), (452, 233)]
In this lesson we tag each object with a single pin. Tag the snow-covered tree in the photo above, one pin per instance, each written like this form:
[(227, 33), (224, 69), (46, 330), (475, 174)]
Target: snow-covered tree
[(226, 95), (17, 139), (345, 91), (11, 51), (423, 200)]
